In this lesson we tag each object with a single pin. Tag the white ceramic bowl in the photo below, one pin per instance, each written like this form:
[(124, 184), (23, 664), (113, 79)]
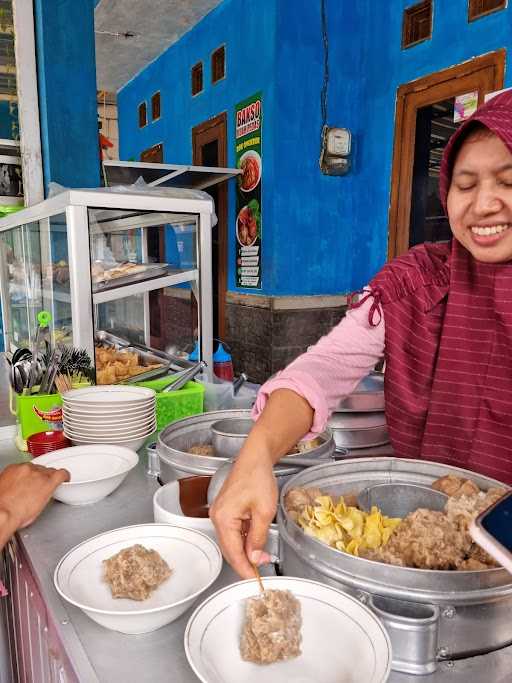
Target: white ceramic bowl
[(111, 394), (108, 411), (108, 419), (195, 560), (95, 471), (123, 433), (167, 509), (342, 640), (133, 444)]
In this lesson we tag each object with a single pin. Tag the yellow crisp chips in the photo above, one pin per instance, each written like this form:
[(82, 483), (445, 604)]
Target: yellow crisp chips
[(345, 527)]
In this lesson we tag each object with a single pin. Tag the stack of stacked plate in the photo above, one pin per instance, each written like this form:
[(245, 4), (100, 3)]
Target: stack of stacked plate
[(120, 415)]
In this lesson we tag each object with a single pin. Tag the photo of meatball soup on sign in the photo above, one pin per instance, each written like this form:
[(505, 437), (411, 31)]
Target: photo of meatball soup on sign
[(247, 224), (250, 164)]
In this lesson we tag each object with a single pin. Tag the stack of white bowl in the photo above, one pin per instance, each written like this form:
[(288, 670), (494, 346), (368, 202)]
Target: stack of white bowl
[(109, 414)]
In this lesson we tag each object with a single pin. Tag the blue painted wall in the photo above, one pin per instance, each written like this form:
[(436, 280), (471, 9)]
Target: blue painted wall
[(321, 235), (249, 32), (67, 91)]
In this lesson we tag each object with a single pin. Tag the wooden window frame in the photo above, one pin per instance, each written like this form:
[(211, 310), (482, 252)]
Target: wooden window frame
[(153, 100), (408, 17), (474, 13), (212, 63), (195, 69), (143, 107), (410, 97)]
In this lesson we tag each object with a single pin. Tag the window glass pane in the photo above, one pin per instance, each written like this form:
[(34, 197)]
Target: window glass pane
[(155, 106), (143, 117)]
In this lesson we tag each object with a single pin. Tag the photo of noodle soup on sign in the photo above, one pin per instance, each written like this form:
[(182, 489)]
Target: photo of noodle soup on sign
[(250, 164), (248, 223)]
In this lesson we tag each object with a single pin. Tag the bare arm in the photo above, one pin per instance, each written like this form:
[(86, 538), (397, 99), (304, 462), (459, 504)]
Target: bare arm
[(25, 490), (284, 421), (295, 403)]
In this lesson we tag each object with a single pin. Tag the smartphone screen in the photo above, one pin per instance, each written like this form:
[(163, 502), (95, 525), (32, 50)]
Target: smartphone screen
[(498, 522)]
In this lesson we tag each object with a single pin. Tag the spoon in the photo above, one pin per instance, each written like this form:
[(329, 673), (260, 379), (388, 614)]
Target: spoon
[(19, 379)]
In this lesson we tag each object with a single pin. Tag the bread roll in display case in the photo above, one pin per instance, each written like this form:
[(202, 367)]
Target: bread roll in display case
[(133, 264)]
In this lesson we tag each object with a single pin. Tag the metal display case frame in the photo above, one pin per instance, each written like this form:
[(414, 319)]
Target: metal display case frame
[(75, 205)]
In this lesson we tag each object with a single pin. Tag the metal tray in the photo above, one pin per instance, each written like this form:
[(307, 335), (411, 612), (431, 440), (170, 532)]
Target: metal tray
[(151, 271), (146, 356)]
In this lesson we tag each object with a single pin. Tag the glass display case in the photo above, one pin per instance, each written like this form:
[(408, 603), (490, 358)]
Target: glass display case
[(130, 265)]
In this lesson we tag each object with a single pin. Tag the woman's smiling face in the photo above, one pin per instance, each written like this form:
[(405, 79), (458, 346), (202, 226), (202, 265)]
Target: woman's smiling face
[(479, 200)]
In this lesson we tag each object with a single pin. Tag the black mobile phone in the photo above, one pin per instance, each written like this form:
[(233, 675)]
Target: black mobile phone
[(492, 530)]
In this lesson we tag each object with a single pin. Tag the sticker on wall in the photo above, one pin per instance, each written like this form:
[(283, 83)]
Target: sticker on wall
[(464, 106), (248, 221)]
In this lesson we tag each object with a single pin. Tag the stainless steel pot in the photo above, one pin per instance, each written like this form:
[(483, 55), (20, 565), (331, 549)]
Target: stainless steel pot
[(229, 434), (359, 430), (283, 470), (367, 397), (430, 615), (176, 439)]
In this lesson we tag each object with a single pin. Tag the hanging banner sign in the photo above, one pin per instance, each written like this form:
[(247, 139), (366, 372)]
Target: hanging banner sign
[(248, 221)]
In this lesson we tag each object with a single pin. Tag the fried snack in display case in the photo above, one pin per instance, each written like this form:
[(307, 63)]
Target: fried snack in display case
[(106, 276), (119, 361)]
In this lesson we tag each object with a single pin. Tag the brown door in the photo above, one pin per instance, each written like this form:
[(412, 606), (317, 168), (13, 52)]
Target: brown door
[(209, 144), (424, 122), (156, 254)]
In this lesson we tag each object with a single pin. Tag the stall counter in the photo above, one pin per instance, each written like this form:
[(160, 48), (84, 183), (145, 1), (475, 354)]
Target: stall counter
[(86, 652)]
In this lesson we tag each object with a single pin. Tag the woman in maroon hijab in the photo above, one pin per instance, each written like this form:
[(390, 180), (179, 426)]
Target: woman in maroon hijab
[(442, 317)]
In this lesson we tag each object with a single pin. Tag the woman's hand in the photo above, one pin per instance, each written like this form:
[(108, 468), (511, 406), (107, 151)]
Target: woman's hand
[(244, 510), (25, 489), (248, 500)]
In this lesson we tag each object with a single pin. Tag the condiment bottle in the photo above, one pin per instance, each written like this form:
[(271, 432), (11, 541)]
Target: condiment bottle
[(222, 364)]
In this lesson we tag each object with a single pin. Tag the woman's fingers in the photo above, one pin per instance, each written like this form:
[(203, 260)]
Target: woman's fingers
[(261, 519), (232, 543)]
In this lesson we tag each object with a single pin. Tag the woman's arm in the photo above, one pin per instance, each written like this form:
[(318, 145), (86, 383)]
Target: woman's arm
[(332, 368), (295, 403)]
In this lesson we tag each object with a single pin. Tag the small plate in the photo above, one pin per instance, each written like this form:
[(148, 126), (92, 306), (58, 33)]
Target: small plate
[(342, 640)]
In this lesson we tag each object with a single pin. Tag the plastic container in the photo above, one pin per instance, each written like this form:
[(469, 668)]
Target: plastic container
[(176, 404), (38, 414), (223, 364), (46, 442), (218, 395)]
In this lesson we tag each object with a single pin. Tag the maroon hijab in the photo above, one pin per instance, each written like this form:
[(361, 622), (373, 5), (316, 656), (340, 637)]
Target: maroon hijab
[(448, 351)]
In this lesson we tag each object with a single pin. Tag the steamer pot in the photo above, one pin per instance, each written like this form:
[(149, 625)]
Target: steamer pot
[(430, 615), (178, 437), (359, 430)]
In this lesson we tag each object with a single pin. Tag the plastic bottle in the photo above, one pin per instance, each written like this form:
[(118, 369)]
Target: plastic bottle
[(194, 354), (223, 364)]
